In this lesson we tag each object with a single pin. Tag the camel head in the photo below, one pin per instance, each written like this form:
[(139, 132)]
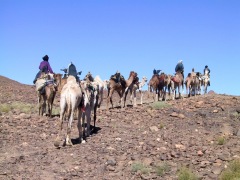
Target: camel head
[(144, 79), (89, 77), (133, 74)]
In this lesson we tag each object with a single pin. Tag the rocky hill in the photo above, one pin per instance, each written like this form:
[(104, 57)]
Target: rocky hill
[(150, 141)]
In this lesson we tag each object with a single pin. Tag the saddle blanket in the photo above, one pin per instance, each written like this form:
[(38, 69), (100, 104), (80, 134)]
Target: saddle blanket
[(40, 83), (176, 80)]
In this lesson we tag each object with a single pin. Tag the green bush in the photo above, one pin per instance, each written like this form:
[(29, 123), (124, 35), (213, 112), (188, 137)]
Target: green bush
[(5, 108), (162, 169), (140, 167), (186, 174), (22, 107), (232, 172), (221, 140), (159, 105)]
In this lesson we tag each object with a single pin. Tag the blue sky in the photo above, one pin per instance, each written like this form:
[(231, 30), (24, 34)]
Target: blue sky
[(103, 36)]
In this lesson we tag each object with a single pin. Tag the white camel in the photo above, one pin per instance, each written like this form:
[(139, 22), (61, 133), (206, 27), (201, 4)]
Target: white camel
[(70, 100), (205, 80), (134, 90), (102, 85), (91, 98)]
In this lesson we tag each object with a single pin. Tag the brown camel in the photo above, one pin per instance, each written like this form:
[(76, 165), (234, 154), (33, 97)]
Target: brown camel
[(167, 84), (62, 81), (193, 84), (120, 87), (156, 85), (177, 84), (47, 98)]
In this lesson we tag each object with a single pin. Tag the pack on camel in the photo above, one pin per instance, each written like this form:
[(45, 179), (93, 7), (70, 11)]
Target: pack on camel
[(119, 84), (133, 91), (70, 101), (193, 83), (177, 84), (156, 85), (71, 70), (46, 87), (101, 84)]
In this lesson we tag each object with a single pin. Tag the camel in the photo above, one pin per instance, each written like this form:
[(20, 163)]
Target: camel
[(130, 88), (120, 87), (91, 98), (139, 87), (193, 84), (156, 85), (100, 83), (153, 86), (177, 84), (70, 101), (47, 98), (167, 86), (205, 82)]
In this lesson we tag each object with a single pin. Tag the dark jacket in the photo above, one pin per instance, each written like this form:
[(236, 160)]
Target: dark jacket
[(156, 71), (206, 69), (179, 67)]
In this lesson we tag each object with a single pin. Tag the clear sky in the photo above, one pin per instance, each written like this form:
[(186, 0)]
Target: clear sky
[(103, 36)]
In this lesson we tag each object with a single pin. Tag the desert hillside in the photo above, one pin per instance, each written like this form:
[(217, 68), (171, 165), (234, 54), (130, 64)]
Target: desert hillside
[(151, 141)]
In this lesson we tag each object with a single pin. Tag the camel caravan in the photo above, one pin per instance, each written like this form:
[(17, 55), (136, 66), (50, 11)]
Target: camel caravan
[(81, 99)]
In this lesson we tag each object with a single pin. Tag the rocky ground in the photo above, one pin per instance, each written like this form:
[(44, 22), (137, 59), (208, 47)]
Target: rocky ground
[(201, 133)]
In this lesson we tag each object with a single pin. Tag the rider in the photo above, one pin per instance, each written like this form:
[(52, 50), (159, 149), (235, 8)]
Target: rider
[(180, 67), (43, 67), (71, 70), (117, 77), (156, 71), (206, 71)]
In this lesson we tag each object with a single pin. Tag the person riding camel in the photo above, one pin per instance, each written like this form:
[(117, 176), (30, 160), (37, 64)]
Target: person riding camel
[(179, 67), (156, 71), (206, 71), (71, 70), (117, 77), (43, 67)]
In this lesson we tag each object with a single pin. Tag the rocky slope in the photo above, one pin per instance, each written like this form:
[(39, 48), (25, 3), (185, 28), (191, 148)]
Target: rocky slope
[(201, 133)]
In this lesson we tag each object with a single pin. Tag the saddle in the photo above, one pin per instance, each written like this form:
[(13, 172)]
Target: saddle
[(175, 79), (43, 81)]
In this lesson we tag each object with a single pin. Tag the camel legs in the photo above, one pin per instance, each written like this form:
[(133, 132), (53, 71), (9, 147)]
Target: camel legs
[(88, 116), (109, 98), (62, 114), (125, 97), (120, 93), (141, 96), (69, 129), (135, 98), (80, 131), (42, 105)]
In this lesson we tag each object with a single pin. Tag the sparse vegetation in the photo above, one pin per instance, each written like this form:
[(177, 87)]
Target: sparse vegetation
[(140, 167), (55, 110), (162, 169), (236, 115), (22, 107), (232, 172), (159, 105), (221, 140), (5, 108), (161, 125), (186, 174)]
